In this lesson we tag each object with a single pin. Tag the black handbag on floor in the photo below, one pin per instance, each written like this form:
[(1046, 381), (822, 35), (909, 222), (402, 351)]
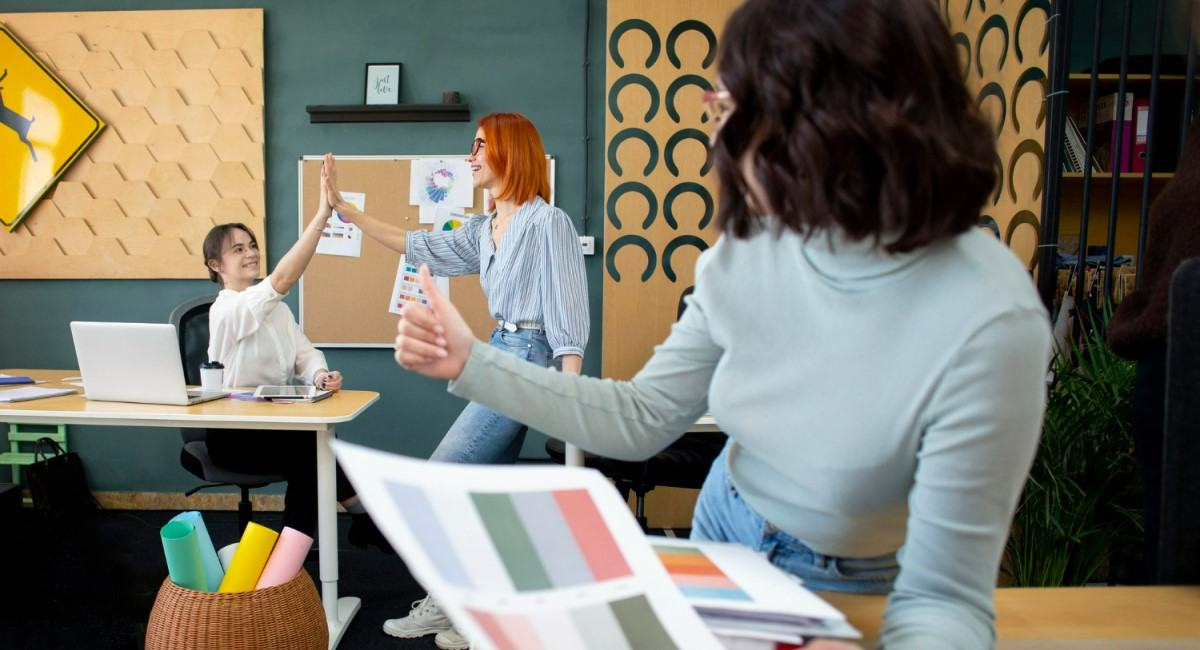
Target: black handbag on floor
[(56, 482)]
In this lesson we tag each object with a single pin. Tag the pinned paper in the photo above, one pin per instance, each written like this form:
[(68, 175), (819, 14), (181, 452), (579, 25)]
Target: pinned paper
[(434, 181), (340, 237), (407, 287)]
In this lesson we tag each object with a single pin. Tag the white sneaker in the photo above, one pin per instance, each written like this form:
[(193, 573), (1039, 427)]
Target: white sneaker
[(451, 640), (425, 618)]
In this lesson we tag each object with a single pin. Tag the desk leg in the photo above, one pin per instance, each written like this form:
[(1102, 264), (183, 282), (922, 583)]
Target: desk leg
[(338, 611), (573, 456)]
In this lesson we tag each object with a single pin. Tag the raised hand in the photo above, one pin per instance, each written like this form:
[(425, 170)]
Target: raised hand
[(330, 191), (435, 340)]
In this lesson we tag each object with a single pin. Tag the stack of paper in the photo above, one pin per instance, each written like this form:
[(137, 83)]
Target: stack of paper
[(739, 593)]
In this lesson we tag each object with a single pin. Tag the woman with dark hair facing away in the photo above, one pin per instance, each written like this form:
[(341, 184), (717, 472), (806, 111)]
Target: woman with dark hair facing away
[(253, 333), (877, 362), (530, 265)]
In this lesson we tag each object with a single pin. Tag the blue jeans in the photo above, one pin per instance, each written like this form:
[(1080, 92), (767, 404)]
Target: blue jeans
[(482, 436), (721, 515)]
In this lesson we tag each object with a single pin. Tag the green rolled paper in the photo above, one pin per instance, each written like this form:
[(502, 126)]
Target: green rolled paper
[(181, 545), (213, 573)]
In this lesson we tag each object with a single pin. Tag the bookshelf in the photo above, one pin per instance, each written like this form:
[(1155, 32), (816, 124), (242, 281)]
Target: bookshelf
[(1171, 89)]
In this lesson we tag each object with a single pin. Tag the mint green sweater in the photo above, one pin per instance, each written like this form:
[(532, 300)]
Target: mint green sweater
[(876, 403)]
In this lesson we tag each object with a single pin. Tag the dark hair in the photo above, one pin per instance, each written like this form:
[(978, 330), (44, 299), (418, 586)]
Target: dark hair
[(853, 113), (214, 241)]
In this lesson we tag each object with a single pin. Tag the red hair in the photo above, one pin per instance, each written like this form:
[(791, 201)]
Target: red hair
[(514, 150)]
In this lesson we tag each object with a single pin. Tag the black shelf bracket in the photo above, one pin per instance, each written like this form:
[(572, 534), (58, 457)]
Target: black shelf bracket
[(389, 113)]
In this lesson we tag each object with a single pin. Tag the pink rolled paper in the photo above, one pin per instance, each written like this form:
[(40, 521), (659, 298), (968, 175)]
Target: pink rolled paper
[(286, 558)]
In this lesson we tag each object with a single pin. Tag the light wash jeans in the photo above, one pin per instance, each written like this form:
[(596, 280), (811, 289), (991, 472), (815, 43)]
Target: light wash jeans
[(721, 515), (482, 436)]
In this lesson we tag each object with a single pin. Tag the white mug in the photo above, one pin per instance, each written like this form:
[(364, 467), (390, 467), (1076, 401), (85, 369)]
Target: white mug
[(212, 376)]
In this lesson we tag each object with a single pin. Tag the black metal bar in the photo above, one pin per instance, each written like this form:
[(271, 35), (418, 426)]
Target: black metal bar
[(1189, 93), (1148, 169), (1117, 151), (1085, 213), (1047, 276)]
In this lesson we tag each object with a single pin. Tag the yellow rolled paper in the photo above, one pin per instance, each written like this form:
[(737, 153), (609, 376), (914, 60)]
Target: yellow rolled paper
[(248, 562)]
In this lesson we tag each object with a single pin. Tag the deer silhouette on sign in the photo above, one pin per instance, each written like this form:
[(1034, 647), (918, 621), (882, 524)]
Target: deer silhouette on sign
[(15, 121)]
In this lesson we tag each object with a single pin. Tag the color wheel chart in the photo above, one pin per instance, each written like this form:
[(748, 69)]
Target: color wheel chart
[(527, 541), (625, 624), (696, 575)]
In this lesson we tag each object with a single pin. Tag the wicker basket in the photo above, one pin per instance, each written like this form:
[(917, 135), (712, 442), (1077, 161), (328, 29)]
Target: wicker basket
[(288, 616)]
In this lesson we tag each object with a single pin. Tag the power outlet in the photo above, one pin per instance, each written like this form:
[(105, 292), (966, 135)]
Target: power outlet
[(588, 244)]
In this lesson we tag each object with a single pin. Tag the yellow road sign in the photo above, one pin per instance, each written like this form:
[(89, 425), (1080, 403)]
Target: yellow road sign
[(44, 127)]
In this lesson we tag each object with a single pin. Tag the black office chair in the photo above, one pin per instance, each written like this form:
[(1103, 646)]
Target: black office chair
[(684, 464), (1179, 527), (191, 325)]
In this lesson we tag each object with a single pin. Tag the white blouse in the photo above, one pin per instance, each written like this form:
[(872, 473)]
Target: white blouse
[(254, 335)]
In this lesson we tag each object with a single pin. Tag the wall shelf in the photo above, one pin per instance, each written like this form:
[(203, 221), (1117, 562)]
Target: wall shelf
[(320, 114)]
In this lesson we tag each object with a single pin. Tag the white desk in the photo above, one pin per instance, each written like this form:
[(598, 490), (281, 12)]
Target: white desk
[(321, 417)]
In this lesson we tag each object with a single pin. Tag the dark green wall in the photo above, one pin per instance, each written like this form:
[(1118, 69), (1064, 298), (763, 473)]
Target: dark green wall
[(1141, 34), (525, 56)]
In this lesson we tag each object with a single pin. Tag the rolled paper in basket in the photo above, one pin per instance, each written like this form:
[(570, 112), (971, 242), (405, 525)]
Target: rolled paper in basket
[(286, 558), (225, 555), (213, 571), (182, 548), (248, 562)]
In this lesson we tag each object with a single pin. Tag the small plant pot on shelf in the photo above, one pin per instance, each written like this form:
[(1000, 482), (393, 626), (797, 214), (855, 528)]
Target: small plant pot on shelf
[(288, 616)]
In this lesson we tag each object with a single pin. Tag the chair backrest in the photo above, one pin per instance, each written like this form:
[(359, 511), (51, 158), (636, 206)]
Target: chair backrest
[(190, 319), (1179, 530)]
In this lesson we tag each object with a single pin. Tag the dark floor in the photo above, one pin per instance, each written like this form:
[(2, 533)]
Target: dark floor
[(90, 582)]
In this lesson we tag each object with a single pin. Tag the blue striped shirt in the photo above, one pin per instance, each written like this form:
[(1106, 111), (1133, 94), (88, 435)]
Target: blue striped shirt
[(536, 274)]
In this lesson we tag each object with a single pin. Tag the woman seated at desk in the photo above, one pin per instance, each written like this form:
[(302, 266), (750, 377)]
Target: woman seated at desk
[(253, 333), (877, 362)]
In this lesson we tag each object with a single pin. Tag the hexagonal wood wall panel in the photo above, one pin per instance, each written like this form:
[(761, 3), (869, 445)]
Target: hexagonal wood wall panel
[(182, 92)]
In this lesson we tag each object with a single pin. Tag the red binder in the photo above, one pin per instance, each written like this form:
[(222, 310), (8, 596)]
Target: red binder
[(1141, 114)]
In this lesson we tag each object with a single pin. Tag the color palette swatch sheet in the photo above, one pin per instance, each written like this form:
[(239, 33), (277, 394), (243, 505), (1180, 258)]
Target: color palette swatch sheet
[(526, 557), (738, 591)]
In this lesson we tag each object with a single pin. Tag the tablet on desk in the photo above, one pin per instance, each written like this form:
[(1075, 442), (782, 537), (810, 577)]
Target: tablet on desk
[(291, 393)]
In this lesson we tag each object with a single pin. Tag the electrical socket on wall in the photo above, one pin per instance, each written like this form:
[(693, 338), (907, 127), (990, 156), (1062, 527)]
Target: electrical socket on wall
[(588, 244)]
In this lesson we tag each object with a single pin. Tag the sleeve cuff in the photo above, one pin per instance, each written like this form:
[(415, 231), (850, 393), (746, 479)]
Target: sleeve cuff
[(570, 349)]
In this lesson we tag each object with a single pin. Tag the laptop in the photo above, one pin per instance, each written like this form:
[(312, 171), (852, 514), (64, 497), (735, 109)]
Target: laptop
[(133, 362)]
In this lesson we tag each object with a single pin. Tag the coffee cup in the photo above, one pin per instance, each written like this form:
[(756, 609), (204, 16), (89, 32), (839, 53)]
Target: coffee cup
[(212, 376)]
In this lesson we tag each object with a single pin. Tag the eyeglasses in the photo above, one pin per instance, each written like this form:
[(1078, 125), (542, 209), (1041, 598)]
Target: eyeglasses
[(718, 104), (476, 145)]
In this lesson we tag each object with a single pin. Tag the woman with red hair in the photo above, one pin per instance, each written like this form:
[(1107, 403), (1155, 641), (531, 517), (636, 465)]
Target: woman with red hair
[(530, 265)]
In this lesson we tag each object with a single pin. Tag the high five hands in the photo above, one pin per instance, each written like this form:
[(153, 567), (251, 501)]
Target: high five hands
[(329, 189), (435, 340)]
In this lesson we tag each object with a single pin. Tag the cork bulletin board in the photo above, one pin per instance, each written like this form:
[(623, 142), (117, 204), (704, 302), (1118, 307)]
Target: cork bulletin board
[(344, 300), (182, 94)]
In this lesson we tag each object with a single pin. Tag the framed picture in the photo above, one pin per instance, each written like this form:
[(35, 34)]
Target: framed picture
[(383, 83)]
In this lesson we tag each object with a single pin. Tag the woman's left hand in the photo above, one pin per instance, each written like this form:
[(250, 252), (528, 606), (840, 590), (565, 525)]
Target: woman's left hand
[(332, 381)]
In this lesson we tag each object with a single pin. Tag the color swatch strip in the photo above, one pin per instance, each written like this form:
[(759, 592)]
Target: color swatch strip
[(426, 526), (627, 624), (696, 575), (550, 539)]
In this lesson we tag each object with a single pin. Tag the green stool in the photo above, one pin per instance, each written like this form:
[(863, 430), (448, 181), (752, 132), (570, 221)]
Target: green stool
[(29, 434)]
